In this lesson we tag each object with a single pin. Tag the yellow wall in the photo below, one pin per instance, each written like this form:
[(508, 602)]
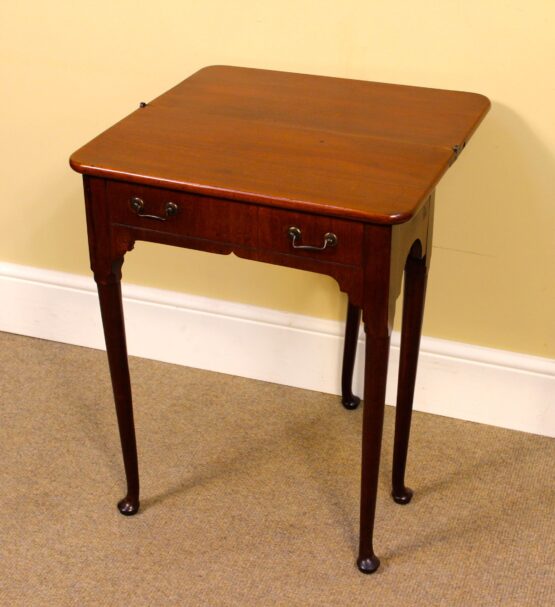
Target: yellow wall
[(71, 69)]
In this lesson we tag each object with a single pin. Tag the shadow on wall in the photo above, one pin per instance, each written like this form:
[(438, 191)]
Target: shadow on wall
[(501, 186), (494, 249)]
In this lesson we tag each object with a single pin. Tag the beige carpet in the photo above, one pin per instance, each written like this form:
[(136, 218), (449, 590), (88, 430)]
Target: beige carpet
[(250, 496)]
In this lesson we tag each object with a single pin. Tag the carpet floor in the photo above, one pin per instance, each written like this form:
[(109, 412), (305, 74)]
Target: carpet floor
[(250, 496)]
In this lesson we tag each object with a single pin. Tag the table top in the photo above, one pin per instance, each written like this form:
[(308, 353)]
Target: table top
[(347, 148)]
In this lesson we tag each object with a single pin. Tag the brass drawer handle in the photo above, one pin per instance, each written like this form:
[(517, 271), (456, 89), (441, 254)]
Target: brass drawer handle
[(330, 240), (137, 204)]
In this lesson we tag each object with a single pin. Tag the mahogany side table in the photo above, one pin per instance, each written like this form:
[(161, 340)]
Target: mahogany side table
[(323, 174)]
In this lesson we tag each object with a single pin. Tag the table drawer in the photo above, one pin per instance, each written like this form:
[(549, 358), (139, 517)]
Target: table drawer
[(328, 238), (182, 214)]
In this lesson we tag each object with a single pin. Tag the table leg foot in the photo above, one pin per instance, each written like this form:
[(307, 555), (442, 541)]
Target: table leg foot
[(369, 564), (350, 401), (128, 506), (403, 496)]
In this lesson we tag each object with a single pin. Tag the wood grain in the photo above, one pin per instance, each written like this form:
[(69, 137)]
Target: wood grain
[(348, 148)]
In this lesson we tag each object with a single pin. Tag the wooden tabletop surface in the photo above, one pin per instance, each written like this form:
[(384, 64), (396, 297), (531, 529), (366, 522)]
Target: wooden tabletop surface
[(348, 148)]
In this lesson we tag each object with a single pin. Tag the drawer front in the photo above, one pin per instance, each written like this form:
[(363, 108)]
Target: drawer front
[(182, 214), (329, 239)]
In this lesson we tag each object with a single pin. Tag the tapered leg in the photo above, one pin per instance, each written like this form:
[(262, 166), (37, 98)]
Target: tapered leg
[(413, 310), (375, 377), (114, 332), (349, 400)]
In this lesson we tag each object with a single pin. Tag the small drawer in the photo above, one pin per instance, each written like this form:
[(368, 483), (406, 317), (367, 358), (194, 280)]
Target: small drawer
[(314, 236), (182, 214)]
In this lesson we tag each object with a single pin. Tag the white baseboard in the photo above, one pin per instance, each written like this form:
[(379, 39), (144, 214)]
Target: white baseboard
[(458, 380)]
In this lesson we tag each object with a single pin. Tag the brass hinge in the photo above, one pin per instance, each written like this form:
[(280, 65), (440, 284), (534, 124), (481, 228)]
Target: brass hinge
[(457, 149)]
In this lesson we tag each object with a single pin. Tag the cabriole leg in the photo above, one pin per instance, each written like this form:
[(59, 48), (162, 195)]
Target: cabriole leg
[(109, 292), (413, 311), (375, 377)]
